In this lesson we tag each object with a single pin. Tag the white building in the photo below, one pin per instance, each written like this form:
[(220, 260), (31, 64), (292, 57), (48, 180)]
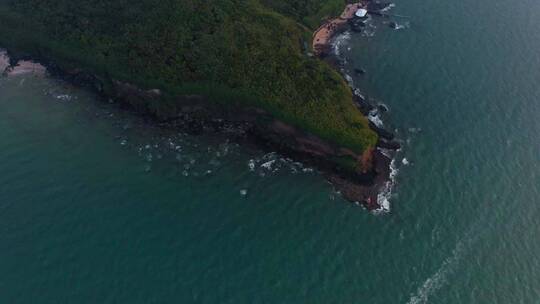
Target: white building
[(361, 13)]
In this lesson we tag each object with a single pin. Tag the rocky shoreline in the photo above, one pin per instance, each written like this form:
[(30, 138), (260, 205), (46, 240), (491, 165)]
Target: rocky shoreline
[(386, 147), (255, 126)]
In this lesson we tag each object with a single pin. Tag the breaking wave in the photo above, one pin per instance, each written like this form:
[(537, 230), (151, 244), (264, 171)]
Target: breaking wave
[(340, 41), (375, 117), (272, 163), (389, 7), (385, 194)]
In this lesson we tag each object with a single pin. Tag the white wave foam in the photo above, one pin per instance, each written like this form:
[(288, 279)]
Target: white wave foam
[(358, 93), (436, 281), (251, 165), (340, 41), (439, 278), (402, 26), (268, 165), (393, 170), (349, 79), (389, 7), (383, 200), (385, 194), (405, 161), (64, 97), (385, 152), (375, 117)]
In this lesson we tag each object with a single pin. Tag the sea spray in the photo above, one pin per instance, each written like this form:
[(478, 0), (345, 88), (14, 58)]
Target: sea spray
[(385, 193), (375, 117), (339, 42)]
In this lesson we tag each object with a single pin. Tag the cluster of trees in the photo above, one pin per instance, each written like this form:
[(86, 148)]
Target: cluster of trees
[(254, 48), (308, 12)]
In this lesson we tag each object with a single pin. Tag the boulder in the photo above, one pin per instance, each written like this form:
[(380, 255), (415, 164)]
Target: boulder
[(381, 132), (359, 71), (386, 144), (382, 108)]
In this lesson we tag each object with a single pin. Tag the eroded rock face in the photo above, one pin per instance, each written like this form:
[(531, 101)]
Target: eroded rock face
[(4, 61), (25, 67), (22, 67)]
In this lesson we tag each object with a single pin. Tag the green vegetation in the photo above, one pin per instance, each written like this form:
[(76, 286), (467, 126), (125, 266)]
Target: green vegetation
[(247, 52), (311, 13)]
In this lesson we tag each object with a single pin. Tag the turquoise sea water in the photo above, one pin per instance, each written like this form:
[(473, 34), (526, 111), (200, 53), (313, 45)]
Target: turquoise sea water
[(98, 205)]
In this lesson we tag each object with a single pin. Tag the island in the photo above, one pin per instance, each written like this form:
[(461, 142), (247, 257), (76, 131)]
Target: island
[(255, 65)]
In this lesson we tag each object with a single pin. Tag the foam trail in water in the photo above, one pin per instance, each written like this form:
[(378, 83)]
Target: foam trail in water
[(440, 277)]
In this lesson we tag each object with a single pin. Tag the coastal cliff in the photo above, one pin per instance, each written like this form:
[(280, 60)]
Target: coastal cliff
[(197, 64)]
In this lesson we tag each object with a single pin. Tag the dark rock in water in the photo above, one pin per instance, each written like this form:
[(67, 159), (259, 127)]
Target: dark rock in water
[(382, 108), (381, 132), (359, 71), (377, 6), (356, 28), (393, 25), (362, 104), (385, 144), (357, 24), (360, 21)]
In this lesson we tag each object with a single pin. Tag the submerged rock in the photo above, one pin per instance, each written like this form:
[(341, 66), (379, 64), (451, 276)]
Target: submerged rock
[(362, 104), (359, 71), (388, 144), (382, 108)]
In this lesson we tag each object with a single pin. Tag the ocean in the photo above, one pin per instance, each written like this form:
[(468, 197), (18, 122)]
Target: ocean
[(100, 205)]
